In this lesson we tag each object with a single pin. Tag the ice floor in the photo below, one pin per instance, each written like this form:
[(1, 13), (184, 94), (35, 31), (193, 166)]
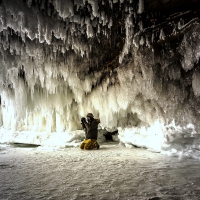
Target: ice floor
[(112, 172)]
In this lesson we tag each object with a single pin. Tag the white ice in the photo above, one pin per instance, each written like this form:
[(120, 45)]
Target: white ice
[(111, 172)]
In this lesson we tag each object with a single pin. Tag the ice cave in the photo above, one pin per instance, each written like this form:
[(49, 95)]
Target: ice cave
[(134, 64)]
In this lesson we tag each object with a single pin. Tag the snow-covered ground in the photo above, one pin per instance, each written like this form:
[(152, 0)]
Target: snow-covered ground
[(112, 172)]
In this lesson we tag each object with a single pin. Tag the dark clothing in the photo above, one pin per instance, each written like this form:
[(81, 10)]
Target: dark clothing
[(108, 135), (91, 133), (91, 129)]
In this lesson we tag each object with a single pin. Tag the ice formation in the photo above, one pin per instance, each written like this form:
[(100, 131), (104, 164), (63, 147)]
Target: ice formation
[(62, 59)]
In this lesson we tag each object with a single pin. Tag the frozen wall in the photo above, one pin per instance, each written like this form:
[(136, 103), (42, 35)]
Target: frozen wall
[(62, 59)]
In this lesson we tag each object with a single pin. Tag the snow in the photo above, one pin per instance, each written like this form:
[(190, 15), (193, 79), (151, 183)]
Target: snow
[(111, 172), (168, 140), (57, 139)]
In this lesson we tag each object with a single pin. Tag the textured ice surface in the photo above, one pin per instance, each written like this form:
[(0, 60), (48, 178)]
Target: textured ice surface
[(112, 172)]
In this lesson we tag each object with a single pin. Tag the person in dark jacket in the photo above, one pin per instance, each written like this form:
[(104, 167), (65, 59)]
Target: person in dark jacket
[(91, 132)]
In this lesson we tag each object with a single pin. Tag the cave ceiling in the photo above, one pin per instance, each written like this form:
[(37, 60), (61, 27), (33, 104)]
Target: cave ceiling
[(164, 14), (158, 15), (145, 50)]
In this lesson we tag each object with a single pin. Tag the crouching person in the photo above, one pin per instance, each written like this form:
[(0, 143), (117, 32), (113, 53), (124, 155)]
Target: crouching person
[(91, 132)]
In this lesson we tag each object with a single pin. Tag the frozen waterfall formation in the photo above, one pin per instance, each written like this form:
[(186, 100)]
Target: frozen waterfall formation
[(134, 64)]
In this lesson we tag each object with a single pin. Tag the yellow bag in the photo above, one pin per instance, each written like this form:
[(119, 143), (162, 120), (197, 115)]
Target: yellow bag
[(89, 144)]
